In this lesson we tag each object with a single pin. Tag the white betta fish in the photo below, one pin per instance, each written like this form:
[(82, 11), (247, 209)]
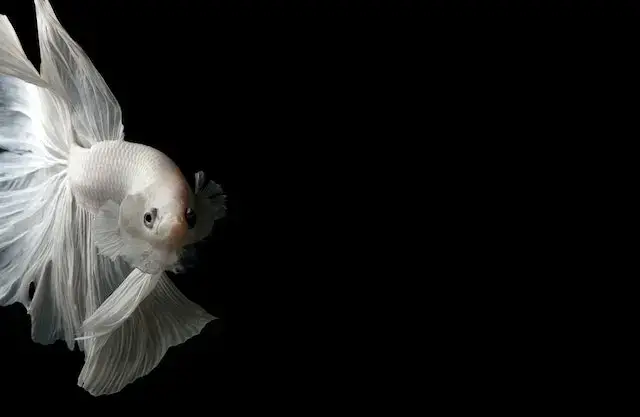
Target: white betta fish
[(89, 219)]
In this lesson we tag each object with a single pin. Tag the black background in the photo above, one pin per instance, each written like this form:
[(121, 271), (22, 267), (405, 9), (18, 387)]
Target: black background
[(278, 101)]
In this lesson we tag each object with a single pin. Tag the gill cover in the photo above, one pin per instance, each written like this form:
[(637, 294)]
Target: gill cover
[(117, 232)]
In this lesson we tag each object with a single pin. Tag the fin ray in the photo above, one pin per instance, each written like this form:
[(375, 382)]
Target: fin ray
[(96, 114), (127, 354)]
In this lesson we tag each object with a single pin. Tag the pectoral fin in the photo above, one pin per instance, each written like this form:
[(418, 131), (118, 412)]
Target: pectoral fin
[(164, 319)]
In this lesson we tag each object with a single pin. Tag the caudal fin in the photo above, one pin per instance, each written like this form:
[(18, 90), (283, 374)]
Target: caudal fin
[(35, 203)]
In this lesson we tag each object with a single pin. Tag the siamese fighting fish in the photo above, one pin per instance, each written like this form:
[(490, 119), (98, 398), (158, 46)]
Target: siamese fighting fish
[(90, 220)]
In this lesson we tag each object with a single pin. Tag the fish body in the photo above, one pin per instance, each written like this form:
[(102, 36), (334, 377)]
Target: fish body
[(111, 170), (89, 219)]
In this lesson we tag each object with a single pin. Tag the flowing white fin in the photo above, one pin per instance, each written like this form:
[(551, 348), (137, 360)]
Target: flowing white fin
[(126, 354), (37, 229), (96, 115), (113, 312), (13, 61)]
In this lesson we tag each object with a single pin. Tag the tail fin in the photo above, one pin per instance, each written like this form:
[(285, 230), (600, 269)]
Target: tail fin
[(45, 238), (35, 202)]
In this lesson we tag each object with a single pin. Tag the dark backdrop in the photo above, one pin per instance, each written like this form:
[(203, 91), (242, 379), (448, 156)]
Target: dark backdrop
[(278, 101)]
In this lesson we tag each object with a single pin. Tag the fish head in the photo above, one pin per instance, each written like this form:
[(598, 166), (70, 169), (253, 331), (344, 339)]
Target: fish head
[(156, 222), (152, 225)]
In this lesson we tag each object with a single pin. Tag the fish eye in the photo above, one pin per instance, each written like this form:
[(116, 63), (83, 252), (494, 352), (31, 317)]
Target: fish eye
[(190, 216), (150, 217)]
